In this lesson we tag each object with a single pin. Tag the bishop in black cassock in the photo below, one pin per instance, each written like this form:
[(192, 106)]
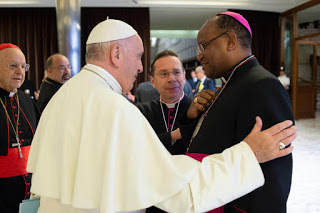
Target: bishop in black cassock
[(152, 111)]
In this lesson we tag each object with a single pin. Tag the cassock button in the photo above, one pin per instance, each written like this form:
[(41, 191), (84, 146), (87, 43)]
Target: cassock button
[(170, 125), (171, 117), (14, 107), (19, 123), (22, 140), (15, 115), (20, 132)]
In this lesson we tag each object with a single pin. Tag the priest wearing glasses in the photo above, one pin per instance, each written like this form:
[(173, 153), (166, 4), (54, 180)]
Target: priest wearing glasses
[(18, 120), (168, 77), (59, 71)]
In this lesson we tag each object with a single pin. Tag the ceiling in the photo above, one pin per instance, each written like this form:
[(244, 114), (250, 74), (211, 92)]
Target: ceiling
[(176, 14)]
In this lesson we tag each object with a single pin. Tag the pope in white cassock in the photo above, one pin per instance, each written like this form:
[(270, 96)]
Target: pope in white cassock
[(93, 151)]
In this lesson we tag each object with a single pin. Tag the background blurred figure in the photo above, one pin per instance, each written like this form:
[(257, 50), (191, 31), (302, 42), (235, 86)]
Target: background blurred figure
[(18, 120), (193, 80), (145, 92), (187, 87), (285, 81), (28, 88), (203, 82), (59, 71)]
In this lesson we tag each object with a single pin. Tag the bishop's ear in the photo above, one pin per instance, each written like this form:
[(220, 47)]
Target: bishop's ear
[(115, 54), (232, 40)]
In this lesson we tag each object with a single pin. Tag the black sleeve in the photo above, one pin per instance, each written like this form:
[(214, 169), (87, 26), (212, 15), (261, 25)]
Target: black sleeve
[(187, 127)]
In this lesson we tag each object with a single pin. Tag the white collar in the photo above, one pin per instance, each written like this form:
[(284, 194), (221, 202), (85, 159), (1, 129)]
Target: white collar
[(11, 94), (111, 81), (172, 105)]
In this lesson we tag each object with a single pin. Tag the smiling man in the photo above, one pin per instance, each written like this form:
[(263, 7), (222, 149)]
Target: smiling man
[(168, 77), (224, 50), (59, 71), (18, 120)]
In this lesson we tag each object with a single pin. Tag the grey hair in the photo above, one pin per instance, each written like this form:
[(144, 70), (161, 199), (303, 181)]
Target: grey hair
[(96, 51)]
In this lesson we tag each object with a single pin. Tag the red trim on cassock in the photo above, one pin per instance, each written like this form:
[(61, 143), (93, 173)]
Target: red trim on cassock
[(27, 120), (12, 165), (239, 209), (199, 157)]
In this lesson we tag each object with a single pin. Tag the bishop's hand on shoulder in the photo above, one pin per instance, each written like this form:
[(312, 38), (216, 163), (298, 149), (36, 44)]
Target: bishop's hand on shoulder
[(200, 102)]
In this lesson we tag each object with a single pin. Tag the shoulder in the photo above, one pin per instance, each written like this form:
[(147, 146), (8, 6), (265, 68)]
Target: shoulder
[(24, 97), (147, 107)]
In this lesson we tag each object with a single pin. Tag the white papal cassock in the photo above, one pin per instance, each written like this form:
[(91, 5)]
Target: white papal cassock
[(93, 151)]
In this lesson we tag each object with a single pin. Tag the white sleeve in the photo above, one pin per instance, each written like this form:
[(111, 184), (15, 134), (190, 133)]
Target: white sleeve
[(221, 178)]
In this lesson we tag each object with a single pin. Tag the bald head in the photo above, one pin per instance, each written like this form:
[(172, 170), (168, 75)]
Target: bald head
[(59, 68)]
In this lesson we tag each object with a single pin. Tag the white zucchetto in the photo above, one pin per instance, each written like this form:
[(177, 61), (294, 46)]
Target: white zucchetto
[(110, 30)]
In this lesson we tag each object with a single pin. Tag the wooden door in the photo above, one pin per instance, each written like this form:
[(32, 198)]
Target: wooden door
[(305, 78)]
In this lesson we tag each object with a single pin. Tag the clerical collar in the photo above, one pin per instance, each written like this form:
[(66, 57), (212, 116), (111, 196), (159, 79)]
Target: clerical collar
[(172, 105), (245, 60), (6, 93), (104, 74), (52, 82)]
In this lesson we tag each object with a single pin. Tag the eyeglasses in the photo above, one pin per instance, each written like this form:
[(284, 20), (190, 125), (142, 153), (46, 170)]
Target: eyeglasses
[(14, 66), (63, 68), (202, 46), (163, 74)]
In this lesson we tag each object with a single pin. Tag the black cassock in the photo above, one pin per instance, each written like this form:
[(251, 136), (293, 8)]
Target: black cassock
[(14, 180), (252, 91), (152, 111), (48, 88)]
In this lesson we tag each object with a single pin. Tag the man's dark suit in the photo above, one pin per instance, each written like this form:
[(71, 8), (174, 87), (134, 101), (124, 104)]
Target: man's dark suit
[(207, 84)]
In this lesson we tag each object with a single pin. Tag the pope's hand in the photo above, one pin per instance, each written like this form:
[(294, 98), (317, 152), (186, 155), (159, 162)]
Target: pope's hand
[(200, 101), (266, 144)]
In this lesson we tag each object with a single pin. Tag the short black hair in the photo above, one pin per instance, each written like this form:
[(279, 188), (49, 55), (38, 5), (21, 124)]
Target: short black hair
[(161, 55), (228, 23)]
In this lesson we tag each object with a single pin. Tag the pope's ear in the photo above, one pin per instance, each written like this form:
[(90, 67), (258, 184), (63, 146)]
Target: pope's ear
[(115, 54)]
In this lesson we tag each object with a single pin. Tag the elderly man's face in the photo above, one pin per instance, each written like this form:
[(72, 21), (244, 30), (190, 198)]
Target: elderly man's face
[(168, 78), (11, 79), (132, 64), (60, 69), (199, 74)]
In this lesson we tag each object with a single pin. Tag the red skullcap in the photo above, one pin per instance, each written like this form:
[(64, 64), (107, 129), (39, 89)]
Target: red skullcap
[(8, 45), (239, 18)]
